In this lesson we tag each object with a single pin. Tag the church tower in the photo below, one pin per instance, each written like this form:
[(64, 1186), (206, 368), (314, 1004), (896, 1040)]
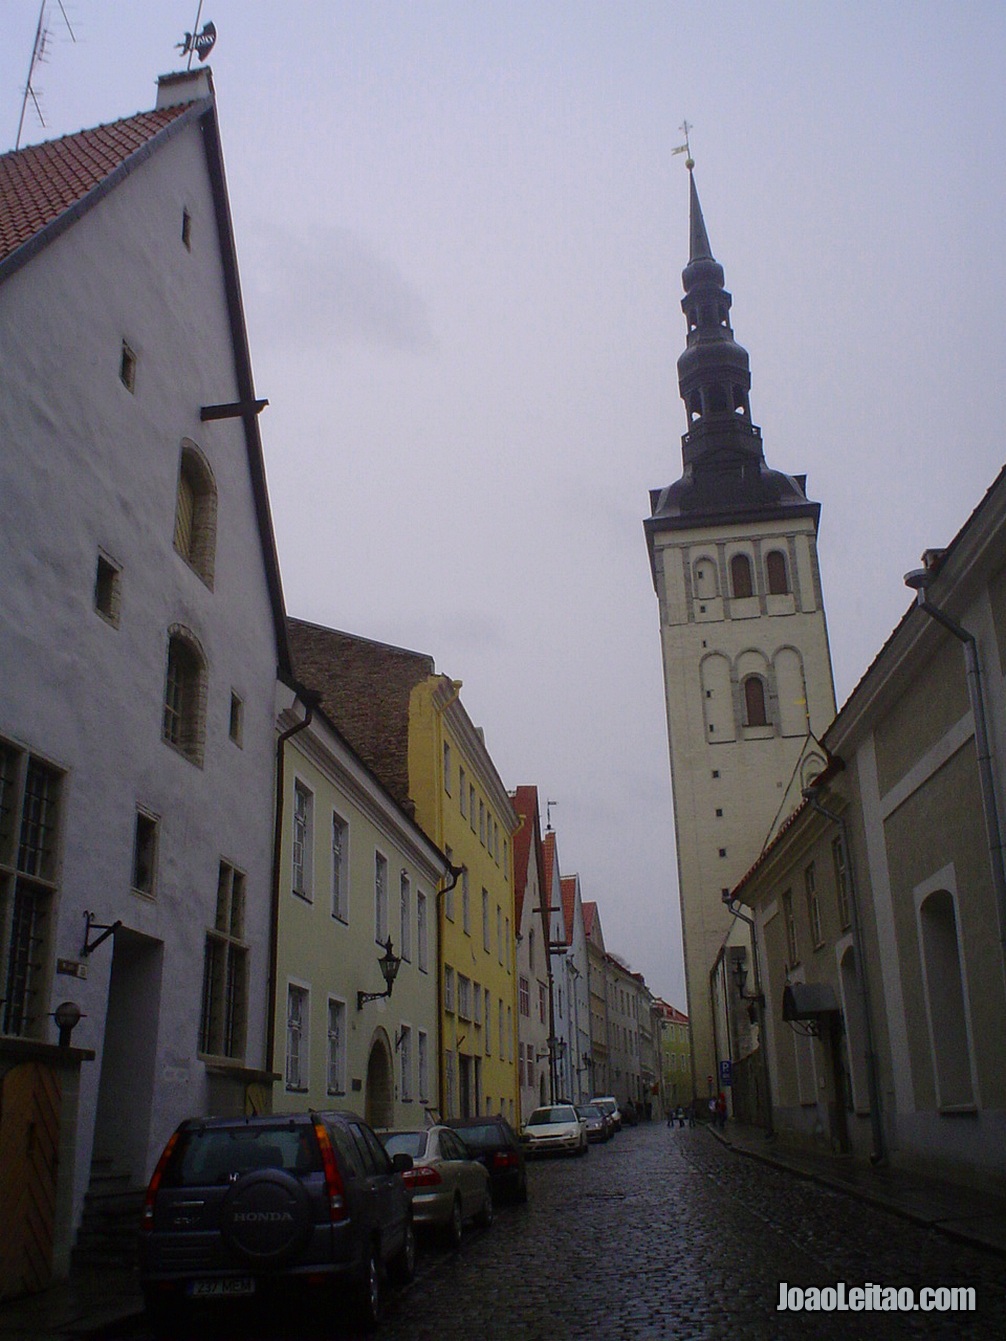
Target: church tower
[(747, 670)]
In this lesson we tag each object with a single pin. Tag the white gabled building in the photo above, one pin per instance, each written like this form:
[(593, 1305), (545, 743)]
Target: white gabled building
[(141, 627), (533, 959)]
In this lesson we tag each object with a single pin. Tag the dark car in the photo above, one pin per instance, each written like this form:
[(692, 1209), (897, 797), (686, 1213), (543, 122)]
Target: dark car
[(303, 1205), (494, 1143)]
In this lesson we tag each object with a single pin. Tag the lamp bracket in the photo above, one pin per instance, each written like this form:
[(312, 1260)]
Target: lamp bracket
[(106, 928)]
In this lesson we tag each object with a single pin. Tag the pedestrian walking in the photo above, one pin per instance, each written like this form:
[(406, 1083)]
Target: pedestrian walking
[(721, 1111)]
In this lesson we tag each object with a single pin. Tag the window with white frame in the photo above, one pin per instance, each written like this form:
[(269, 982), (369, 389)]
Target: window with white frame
[(336, 1046), (447, 768), (506, 870), (509, 1033), (477, 1002), (489, 1023), (184, 717), (502, 1031), (144, 880), (297, 1001), (421, 932), (466, 903), (30, 815), (464, 997), (405, 1055), (405, 918), (482, 823), (303, 839), (524, 995), (224, 1011), (380, 898), (485, 920), (340, 868), (506, 945), (463, 792), (471, 806), (448, 988), (424, 1066), (496, 842)]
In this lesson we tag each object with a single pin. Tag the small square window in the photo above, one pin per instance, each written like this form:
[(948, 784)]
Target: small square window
[(719, 814), (144, 853), (716, 772), (186, 230), (723, 852), (127, 368), (235, 727), (106, 590)]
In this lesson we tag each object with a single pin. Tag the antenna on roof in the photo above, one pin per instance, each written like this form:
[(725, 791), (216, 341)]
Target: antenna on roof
[(38, 55), (198, 43)]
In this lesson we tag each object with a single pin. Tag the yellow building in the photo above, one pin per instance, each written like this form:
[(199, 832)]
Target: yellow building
[(409, 725)]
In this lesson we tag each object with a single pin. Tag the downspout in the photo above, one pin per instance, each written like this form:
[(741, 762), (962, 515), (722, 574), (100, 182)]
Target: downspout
[(310, 699), (919, 579), (759, 1003), (879, 1153), (438, 763)]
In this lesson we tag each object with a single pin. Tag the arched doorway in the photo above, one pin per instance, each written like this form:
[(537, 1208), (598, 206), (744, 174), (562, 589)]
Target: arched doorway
[(379, 1100)]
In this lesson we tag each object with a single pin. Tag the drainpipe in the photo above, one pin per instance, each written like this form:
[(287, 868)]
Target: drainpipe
[(438, 763), (879, 1152), (310, 699), (759, 1004), (919, 579), (441, 1068)]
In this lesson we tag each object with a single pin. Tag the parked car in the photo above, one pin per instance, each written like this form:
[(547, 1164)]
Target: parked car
[(493, 1142), (449, 1186), (598, 1127), (555, 1129), (608, 1104), (307, 1205)]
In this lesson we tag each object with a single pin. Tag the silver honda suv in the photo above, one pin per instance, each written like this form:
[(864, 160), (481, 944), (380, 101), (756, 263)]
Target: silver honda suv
[(306, 1204)]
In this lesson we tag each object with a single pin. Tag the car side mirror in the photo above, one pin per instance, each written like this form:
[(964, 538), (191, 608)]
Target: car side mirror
[(401, 1163)]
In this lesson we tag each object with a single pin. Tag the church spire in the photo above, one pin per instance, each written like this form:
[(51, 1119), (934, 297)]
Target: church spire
[(724, 465)]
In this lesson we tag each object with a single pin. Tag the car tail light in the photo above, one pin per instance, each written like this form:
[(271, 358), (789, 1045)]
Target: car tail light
[(147, 1220), (505, 1159), (426, 1176), (333, 1179)]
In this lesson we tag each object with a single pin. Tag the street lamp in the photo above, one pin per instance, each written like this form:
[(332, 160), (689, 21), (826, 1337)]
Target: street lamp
[(389, 964)]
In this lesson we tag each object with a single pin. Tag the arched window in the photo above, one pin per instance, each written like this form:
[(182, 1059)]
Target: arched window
[(705, 579), (778, 577), (185, 697), (944, 986), (740, 576), (196, 512), (754, 702)]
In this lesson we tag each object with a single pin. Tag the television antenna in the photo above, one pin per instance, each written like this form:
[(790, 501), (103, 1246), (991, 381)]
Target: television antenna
[(39, 51)]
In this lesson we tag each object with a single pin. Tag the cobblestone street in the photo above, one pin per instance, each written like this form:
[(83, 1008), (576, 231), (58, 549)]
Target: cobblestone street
[(665, 1233)]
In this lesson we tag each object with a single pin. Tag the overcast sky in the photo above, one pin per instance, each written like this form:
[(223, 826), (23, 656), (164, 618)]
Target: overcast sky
[(461, 231)]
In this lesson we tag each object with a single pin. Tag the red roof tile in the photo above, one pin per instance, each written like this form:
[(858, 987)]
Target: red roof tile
[(39, 183), (525, 802), (548, 858), (568, 884)]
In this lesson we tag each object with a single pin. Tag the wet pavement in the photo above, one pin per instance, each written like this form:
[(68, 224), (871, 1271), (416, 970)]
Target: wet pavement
[(662, 1233)]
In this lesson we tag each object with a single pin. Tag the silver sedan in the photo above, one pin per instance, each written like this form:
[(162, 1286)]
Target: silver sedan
[(448, 1185)]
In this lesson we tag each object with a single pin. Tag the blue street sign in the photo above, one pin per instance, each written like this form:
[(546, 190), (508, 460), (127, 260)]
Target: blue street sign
[(726, 1073)]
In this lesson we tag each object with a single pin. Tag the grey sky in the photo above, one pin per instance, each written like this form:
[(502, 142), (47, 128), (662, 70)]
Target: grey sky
[(461, 232)]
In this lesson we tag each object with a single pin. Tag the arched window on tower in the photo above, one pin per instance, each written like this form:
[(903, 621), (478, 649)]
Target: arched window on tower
[(740, 401), (755, 713), (778, 576), (741, 583), (695, 407), (717, 399)]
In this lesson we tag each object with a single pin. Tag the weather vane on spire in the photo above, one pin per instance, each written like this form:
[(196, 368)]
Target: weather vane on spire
[(196, 43), (685, 148)]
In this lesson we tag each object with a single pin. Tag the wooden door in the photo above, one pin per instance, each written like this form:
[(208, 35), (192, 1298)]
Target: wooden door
[(29, 1143)]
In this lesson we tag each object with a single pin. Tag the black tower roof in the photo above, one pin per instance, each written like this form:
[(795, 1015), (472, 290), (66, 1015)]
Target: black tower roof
[(725, 477)]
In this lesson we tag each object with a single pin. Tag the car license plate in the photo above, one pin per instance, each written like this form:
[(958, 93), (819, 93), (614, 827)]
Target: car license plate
[(217, 1289)]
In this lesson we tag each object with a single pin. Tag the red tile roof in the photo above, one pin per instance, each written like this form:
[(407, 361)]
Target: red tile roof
[(525, 802), (568, 884), (40, 183), (589, 913)]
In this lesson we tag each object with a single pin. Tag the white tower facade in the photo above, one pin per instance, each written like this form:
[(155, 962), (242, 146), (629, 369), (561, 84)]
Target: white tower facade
[(747, 669)]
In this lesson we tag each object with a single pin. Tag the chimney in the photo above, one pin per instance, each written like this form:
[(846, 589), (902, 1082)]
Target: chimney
[(185, 86)]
